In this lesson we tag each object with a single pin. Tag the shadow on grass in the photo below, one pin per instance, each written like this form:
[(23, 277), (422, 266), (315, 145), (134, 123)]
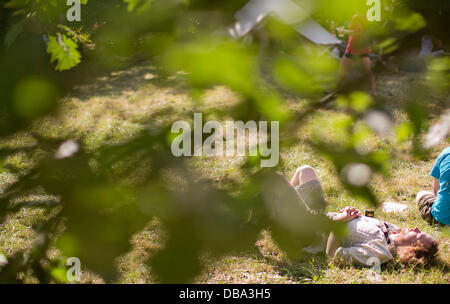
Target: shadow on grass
[(307, 269), (117, 82)]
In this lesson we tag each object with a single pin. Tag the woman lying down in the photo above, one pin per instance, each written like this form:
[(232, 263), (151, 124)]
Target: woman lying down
[(367, 237)]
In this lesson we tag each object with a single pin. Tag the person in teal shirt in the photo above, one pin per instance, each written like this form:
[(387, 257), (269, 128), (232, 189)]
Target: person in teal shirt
[(434, 206)]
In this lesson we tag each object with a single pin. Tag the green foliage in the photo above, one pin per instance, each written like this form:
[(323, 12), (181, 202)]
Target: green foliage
[(64, 51), (34, 97), (15, 30), (138, 4), (357, 101), (439, 74)]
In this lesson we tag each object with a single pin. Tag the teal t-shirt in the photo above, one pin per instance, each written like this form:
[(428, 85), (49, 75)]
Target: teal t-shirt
[(441, 171)]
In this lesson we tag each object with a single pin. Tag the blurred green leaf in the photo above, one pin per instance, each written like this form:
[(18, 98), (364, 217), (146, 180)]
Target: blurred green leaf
[(34, 96), (134, 5), (273, 107), (69, 245), (410, 22), (64, 51), (403, 131), (59, 274), (438, 74), (358, 101), (14, 32), (292, 77), (214, 62)]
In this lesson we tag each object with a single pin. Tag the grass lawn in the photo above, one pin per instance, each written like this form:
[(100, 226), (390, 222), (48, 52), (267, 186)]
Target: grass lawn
[(113, 107)]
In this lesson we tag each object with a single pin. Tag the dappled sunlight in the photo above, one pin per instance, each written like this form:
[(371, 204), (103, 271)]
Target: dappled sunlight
[(181, 141)]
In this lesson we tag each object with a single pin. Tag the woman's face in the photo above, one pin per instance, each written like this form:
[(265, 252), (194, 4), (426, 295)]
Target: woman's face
[(410, 236)]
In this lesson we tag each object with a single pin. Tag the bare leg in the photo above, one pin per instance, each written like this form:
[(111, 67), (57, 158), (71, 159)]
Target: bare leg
[(303, 175), (368, 70), (333, 244), (345, 63)]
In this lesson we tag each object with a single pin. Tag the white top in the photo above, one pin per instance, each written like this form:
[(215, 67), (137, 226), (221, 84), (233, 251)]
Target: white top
[(365, 241)]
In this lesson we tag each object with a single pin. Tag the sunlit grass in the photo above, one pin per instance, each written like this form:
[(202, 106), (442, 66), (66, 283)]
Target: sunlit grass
[(115, 107)]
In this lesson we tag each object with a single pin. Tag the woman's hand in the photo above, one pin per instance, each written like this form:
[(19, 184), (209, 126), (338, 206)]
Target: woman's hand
[(347, 214)]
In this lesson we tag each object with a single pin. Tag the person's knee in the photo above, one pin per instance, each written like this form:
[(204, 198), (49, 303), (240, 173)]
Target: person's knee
[(306, 173), (306, 170)]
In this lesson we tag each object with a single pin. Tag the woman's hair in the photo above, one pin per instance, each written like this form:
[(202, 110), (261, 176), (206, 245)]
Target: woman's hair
[(418, 253)]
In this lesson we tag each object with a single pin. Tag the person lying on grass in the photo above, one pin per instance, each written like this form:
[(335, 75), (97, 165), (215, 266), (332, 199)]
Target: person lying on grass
[(434, 207), (367, 237)]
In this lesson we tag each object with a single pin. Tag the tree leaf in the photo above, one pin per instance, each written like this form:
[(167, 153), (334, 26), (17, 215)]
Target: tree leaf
[(64, 50), (14, 32)]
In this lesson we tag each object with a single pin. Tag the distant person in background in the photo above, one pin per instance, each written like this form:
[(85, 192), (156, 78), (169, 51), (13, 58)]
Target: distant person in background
[(426, 49), (434, 207), (358, 49)]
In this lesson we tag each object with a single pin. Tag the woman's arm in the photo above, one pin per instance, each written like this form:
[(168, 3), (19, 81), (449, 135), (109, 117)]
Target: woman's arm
[(346, 214), (332, 245), (436, 186)]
